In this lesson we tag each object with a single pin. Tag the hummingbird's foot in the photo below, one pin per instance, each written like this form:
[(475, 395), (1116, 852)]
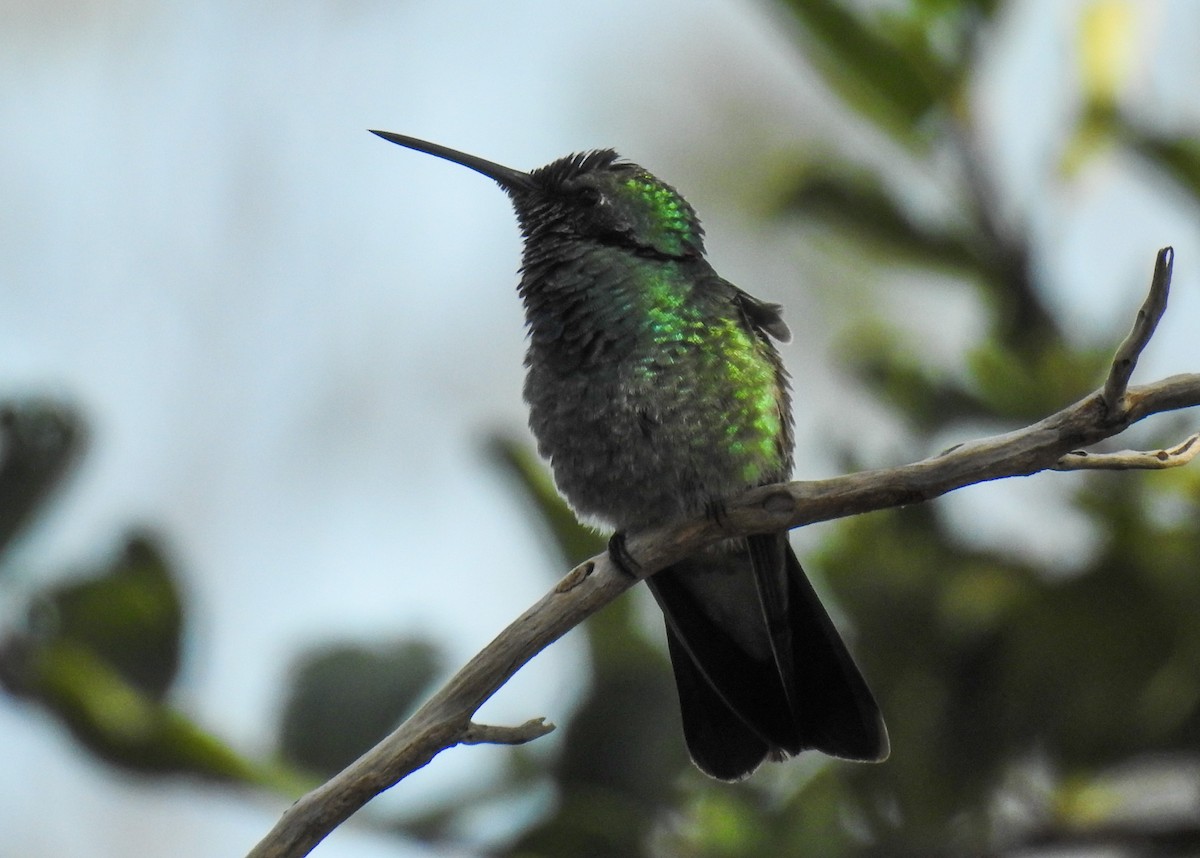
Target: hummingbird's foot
[(618, 552)]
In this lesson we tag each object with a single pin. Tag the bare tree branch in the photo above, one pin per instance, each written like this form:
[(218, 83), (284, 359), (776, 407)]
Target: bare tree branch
[(1051, 444)]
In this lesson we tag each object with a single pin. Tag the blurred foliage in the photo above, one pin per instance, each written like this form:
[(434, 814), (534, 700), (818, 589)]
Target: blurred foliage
[(38, 441), (101, 651), (1031, 709), (345, 698)]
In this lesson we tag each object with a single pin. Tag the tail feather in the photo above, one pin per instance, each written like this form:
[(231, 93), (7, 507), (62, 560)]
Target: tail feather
[(722, 745), (760, 668), (838, 714)]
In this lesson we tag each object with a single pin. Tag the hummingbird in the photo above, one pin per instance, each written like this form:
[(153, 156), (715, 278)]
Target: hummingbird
[(655, 392)]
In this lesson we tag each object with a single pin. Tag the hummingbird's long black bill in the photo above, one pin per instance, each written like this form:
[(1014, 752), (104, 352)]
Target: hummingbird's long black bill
[(506, 177)]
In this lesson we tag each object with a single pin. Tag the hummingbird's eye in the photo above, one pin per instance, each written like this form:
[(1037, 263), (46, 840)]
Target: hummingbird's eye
[(588, 196)]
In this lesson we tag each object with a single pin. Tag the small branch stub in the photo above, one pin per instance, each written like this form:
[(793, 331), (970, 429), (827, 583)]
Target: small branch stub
[(487, 734)]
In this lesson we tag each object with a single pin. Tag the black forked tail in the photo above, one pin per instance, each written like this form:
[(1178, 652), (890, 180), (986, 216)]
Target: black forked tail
[(761, 670)]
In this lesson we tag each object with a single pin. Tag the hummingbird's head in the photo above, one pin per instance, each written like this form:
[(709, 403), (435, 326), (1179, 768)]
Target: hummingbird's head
[(588, 196), (595, 196)]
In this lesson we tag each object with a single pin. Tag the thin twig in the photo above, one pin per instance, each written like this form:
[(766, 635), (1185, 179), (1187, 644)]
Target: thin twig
[(1147, 319), (488, 734), (1132, 460), (445, 720)]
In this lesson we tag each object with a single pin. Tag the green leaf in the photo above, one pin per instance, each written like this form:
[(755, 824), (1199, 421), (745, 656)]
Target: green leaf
[(856, 202), (39, 440), (1178, 158), (130, 615), (119, 722), (893, 81), (1107, 39), (1030, 385), (346, 698), (878, 358)]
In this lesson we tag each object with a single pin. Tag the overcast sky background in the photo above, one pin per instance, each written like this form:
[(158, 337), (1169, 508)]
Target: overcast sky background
[(291, 337)]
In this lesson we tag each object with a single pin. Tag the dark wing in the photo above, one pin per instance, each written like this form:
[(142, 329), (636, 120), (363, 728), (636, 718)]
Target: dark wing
[(763, 315)]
